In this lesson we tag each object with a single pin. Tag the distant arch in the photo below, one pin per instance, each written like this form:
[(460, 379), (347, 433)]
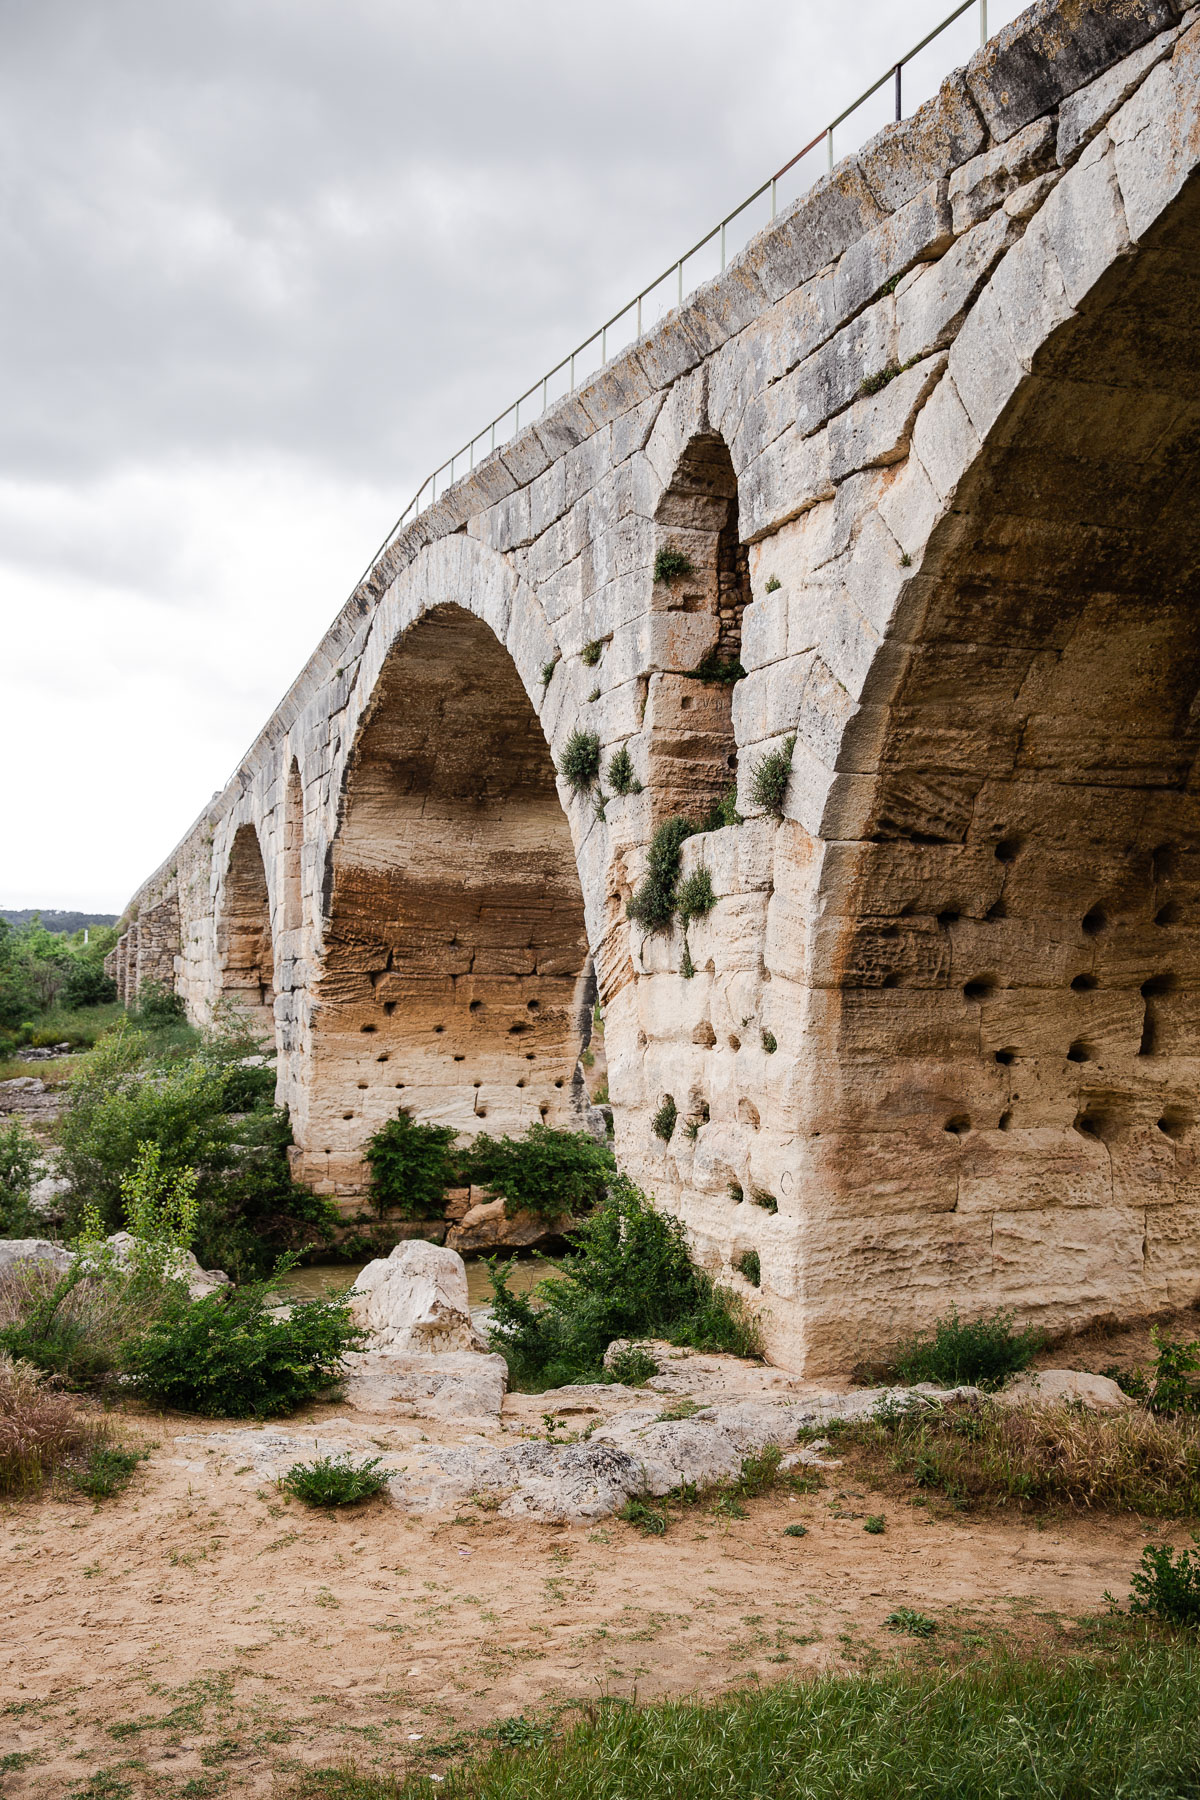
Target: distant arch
[(293, 850), (245, 949)]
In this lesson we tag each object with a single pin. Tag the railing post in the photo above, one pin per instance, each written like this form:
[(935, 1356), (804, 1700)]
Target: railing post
[(899, 107), (493, 434), (545, 391), (679, 271), (572, 371), (517, 426), (639, 316), (604, 346), (983, 31)]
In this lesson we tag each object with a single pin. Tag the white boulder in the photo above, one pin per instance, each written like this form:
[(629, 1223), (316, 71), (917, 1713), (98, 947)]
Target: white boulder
[(1051, 1387), (14, 1251), (416, 1300)]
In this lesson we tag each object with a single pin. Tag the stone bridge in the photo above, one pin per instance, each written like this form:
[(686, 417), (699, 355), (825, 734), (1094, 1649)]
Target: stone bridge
[(925, 461)]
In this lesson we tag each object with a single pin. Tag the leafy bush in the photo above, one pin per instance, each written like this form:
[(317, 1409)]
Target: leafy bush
[(1169, 1387), (251, 1211), (749, 1264), (621, 777), (695, 897), (20, 1157), (87, 985), (157, 1004), (1167, 1586), (591, 653), (722, 812), (721, 671), (229, 1356), (663, 1122), (547, 1172), (984, 1352), (411, 1167), (653, 905), (632, 1366), (629, 1276), (580, 765), (334, 1481), (669, 564), (769, 778)]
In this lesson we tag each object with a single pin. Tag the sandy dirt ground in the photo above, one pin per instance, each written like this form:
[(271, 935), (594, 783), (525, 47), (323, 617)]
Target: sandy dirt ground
[(202, 1635)]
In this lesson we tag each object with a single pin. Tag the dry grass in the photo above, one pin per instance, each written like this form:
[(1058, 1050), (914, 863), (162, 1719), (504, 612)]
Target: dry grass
[(83, 1337), (40, 1429), (987, 1454)]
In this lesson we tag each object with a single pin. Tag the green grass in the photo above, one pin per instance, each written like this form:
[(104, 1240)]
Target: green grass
[(334, 1481), (108, 1469), (983, 1352), (1007, 1728)]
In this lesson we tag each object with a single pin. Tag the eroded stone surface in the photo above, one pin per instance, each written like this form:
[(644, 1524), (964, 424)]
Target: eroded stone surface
[(416, 1300)]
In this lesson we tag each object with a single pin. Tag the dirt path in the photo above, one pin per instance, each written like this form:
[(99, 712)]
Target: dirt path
[(197, 1636)]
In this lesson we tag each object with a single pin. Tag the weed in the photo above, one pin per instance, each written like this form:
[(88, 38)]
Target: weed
[(980, 1351), (108, 1469), (334, 1481), (593, 696), (735, 1192), (875, 1523), (662, 1123), (591, 653), (1167, 1586), (647, 1517), (1170, 1389), (41, 1430), (913, 1624), (729, 1506), (670, 564), (580, 765), (632, 1366), (653, 905), (760, 1197), (695, 897), (521, 1733), (769, 777), (621, 777), (795, 1531), (548, 669), (719, 671), (773, 584), (749, 1264), (687, 967), (873, 383), (906, 561), (678, 1409)]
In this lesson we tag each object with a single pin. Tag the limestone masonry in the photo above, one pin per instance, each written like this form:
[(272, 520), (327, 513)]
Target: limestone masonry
[(931, 447)]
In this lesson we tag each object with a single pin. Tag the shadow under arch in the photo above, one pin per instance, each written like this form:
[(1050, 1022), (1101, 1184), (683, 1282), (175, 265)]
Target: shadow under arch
[(245, 950), (456, 983), (1006, 1002)]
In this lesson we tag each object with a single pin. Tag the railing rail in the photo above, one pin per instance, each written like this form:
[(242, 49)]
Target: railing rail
[(539, 392)]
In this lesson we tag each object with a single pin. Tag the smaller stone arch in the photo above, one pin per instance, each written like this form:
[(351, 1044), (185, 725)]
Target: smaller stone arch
[(293, 850), (245, 949)]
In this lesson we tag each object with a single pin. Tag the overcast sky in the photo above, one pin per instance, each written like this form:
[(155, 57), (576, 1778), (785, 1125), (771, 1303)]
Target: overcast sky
[(265, 263)]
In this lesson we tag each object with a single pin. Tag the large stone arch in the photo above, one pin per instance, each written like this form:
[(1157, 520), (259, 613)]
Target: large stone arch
[(245, 944), (456, 977), (1006, 981)]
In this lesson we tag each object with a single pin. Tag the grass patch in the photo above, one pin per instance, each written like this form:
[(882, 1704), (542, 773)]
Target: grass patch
[(749, 1264), (631, 1366), (982, 1352), (719, 671), (669, 565), (663, 1122), (106, 1472), (591, 653), (334, 1481), (41, 1430)]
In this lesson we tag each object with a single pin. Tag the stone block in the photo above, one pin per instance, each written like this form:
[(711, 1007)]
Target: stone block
[(942, 133), (944, 439), (919, 232), (1157, 135), (981, 185), (815, 231), (876, 429), (984, 365), (1083, 113), (1084, 221), (931, 309)]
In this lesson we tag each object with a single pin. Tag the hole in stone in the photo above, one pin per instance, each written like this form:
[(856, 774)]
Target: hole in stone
[(748, 1113), (1157, 984), (1168, 914), (347, 1115), (891, 981), (980, 987), (559, 1082), (475, 1006), (1175, 1122), (958, 1126), (1081, 1052), (1008, 849), (735, 1043), (438, 1030), (329, 1153), (362, 1084), (1099, 1121), (368, 1028), (481, 1112), (1006, 1057), (543, 1109), (533, 1005), (1095, 921), (995, 912), (479, 1084), (389, 1007), (383, 1057), (949, 917), (520, 1083), (1162, 862), (1005, 1121), (1083, 984), (518, 1028), (460, 1059), (399, 1084)]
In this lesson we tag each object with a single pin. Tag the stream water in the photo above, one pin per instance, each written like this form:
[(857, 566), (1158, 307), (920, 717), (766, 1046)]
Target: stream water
[(318, 1279)]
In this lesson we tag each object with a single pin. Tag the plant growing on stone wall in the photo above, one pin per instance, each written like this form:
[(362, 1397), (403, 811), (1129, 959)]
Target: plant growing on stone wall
[(580, 765), (548, 669), (670, 564), (591, 653), (769, 778), (687, 967), (593, 696), (621, 777), (549, 1173), (760, 1197), (411, 1167), (653, 905), (663, 1122), (769, 1042), (695, 897), (719, 671), (749, 1264), (773, 584)]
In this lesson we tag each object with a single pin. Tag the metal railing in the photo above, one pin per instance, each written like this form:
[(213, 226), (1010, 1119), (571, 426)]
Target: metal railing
[(494, 436)]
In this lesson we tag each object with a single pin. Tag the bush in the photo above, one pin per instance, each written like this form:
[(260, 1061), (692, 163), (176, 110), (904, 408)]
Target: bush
[(20, 1158), (720, 671), (695, 897), (621, 777), (229, 1356), (88, 985), (632, 1366), (411, 1167), (1169, 1387), (983, 1352), (580, 765), (591, 653), (157, 1004), (1167, 1586), (629, 1276), (251, 1211), (653, 905), (71, 1325), (663, 1122), (547, 1172), (769, 778), (749, 1264), (107, 1470), (669, 564), (334, 1481)]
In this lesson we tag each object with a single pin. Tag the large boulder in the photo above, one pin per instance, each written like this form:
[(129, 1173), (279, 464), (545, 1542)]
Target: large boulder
[(416, 1300), (1052, 1387), (14, 1251), (181, 1266), (487, 1225)]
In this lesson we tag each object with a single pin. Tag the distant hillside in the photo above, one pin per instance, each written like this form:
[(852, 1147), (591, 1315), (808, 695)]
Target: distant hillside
[(58, 921)]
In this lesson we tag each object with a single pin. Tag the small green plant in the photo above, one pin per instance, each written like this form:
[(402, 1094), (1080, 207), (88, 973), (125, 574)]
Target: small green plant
[(906, 561), (663, 1122), (632, 1366), (875, 1523), (982, 1352), (722, 812), (593, 696), (621, 777), (580, 765), (678, 1409), (1167, 1586), (687, 967), (20, 1157), (760, 1197), (795, 1531), (913, 1624), (547, 1172), (648, 1517), (719, 671), (107, 1470), (334, 1481), (521, 1734), (411, 1167), (769, 1042), (653, 905), (671, 564), (770, 775), (695, 897), (591, 653), (773, 584), (749, 1264), (1170, 1388), (729, 1506), (736, 1192), (548, 669)]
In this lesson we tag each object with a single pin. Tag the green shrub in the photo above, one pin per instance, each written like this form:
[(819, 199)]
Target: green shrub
[(653, 905), (629, 1276), (875, 1523), (580, 765), (769, 1042), (334, 1481), (621, 777), (88, 985), (229, 1356), (795, 1531), (548, 669), (1167, 1586), (722, 812), (719, 671), (157, 1004), (591, 653), (749, 1264), (632, 1366), (1170, 1388), (663, 1122), (649, 1516), (20, 1158), (982, 1352), (411, 1167), (695, 897), (760, 1197), (548, 1172), (670, 564), (773, 584), (107, 1470), (913, 1624), (769, 778)]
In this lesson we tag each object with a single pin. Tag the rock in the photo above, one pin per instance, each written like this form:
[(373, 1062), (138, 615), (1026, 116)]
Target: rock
[(416, 1300), (575, 1483), (459, 1384), (14, 1251), (1053, 1387), (182, 1266), (45, 1194), (486, 1226), (29, 1095)]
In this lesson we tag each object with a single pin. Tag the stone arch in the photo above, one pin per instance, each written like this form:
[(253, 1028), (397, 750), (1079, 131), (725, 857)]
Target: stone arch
[(293, 849), (1006, 985), (245, 948), (692, 749), (456, 982)]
